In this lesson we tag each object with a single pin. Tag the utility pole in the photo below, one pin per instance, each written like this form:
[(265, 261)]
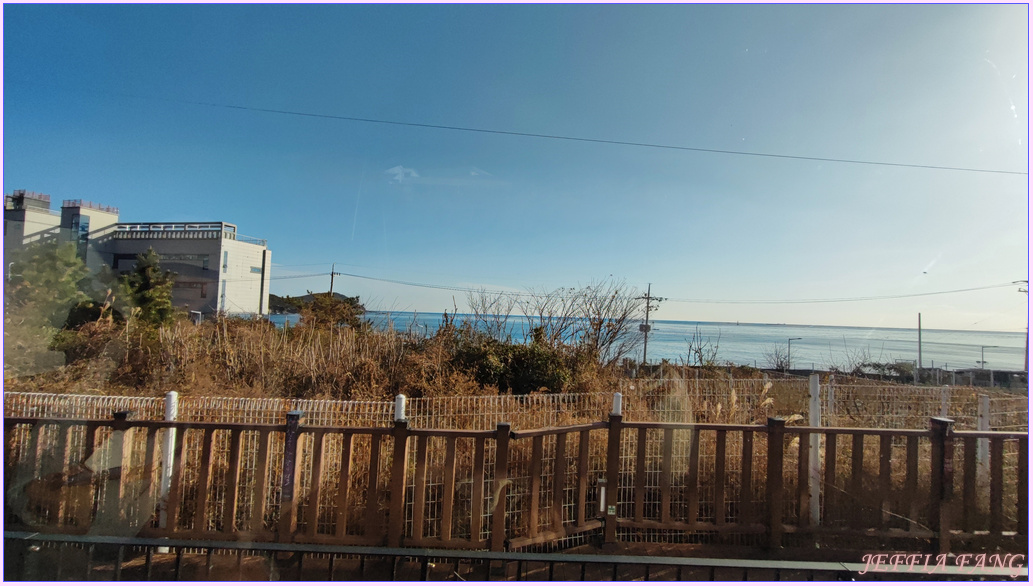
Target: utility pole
[(919, 367), (332, 267), (644, 328), (1025, 362)]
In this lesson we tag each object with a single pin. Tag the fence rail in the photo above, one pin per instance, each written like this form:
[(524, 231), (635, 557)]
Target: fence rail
[(767, 485), (707, 400)]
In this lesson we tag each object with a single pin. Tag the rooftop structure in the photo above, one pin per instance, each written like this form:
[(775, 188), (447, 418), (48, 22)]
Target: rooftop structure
[(217, 269)]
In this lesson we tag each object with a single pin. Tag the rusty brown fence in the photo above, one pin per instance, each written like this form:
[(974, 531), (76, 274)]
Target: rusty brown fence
[(754, 485)]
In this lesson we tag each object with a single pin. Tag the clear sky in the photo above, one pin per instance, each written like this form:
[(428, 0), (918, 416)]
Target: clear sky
[(130, 106)]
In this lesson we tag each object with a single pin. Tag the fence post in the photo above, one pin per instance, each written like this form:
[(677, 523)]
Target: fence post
[(814, 451), (167, 461), (941, 480), (289, 480), (613, 465), (775, 484), (114, 453), (830, 404), (983, 444), (498, 513), (399, 467), (945, 401)]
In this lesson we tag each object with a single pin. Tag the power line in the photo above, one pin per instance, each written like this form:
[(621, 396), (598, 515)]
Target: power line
[(839, 299), (589, 140), (675, 299)]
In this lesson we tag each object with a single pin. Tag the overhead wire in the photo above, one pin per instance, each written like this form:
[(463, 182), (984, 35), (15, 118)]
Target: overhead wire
[(582, 139), (675, 299)]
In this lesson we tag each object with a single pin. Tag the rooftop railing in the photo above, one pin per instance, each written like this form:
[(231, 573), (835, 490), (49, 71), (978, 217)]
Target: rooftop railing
[(79, 203), (205, 230)]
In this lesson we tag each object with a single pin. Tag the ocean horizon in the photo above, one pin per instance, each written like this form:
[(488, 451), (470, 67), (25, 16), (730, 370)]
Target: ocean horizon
[(813, 346)]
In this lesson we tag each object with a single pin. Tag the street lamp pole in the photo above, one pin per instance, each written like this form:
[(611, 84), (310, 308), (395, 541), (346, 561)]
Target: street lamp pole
[(789, 354)]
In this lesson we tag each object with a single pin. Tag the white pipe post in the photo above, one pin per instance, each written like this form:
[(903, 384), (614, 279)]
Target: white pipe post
[(400, 407), (945, 400), (814, 453), (617, 406), (171, 412), (983, 444)]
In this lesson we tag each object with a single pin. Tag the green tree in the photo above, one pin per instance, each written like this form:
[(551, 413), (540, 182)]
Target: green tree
[(44, 281), (148, 290), (325, 311), (49, 278)]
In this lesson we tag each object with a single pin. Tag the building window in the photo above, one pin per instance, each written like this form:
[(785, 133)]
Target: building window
[(225, 262), (256, 270)]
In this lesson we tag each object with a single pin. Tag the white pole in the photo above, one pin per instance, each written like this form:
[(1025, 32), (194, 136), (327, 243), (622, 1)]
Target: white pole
[(616, 404), (400, 407), (171, 412), (945, 400), (814, 455)]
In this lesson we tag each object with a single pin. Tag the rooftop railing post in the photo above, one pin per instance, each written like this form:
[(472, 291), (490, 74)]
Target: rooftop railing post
[(498, 513), (941, 481), (289, 480), (613, 465), (775, 481)]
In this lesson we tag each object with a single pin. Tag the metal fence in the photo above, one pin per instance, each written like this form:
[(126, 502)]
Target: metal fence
[(707, 400)]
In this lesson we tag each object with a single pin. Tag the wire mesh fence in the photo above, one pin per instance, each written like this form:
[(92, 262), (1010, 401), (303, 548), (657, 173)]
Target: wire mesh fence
[(704, 400)]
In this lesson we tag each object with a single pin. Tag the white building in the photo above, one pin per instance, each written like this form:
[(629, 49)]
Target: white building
[(217, 269)]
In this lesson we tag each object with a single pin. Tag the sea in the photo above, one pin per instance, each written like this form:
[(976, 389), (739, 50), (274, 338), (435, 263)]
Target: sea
[(814, 347)]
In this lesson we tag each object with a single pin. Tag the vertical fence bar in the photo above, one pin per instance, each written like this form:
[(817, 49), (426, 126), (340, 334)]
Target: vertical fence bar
[(498, 515), (289, 479), (477, 491), (374, 521), (396, 512), (613, 463), (559, 478), (419, 498), (720, 480), (261, 483), (640, 474), (856, 481), (746, 490), (316, 486), (229, 519), (968, 491), (829, 502), (996, 486), (983, 444), (666, 470), (343, 485), (941, 480), (200, 513), (803, 494), (775, 486), (537, 453), (814, 452), (582, 477), (449, 489), (176, 484), (911, 482), (692, 479), (1022, 488), (885, 479)]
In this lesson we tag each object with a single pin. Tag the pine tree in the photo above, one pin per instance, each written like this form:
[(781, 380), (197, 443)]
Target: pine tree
[(148, 289)]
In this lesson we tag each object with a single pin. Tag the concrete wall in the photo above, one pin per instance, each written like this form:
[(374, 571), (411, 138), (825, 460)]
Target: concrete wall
[(243, 271), (196, 288)]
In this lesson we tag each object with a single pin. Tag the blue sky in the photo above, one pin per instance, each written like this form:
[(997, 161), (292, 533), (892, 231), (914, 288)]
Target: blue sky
[(127, 106)]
